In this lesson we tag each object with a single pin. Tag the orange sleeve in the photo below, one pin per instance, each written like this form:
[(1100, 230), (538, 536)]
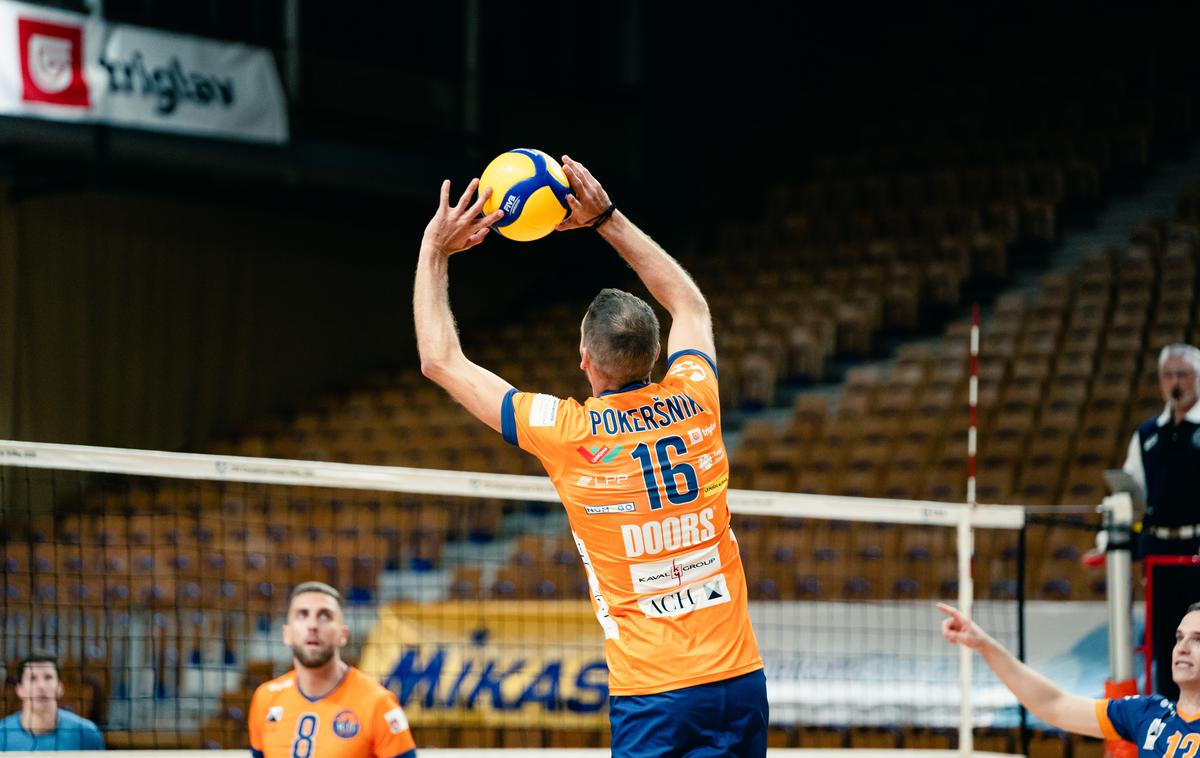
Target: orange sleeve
[(389, 725), (696, 373), (254, 719), (1106, 725), (540, 424)]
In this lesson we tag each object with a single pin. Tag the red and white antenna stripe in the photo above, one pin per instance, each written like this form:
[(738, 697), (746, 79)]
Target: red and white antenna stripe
[(973, 402)]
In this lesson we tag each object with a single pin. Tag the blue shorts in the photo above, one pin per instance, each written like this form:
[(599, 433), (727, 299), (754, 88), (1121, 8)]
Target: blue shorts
[(722, 718)]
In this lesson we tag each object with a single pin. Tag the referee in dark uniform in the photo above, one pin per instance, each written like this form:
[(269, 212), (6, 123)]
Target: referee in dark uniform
[(1164, 457)]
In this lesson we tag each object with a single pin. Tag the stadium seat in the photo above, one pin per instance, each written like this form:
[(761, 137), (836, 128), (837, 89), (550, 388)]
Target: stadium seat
[(819, 737)]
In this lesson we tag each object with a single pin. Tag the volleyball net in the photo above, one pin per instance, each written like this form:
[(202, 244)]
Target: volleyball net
[(160, 581)]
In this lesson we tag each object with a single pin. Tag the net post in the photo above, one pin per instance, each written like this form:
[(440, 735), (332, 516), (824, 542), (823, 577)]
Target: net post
[(1022, 556), (966, 545), (1117, 512), (966, 592)]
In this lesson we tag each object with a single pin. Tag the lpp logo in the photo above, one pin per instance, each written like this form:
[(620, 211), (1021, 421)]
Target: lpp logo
[(52, 63)]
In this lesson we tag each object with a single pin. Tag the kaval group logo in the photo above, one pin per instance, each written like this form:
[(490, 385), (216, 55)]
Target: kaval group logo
[(52, 63)]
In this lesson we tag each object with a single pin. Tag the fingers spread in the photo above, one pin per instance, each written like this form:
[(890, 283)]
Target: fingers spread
[(473, 239), (582, 171), (466, 195), (574, 182), (477, 207)]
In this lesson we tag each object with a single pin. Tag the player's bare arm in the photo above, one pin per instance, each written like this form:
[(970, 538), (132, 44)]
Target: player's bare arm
[(453, 229), (668, 282), (1063, 710)]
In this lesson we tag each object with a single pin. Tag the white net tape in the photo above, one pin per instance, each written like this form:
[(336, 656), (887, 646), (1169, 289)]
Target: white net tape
[(457, 483)]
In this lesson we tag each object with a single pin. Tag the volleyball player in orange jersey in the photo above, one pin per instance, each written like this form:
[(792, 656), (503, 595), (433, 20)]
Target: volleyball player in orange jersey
[(324, 707), (642, 472)]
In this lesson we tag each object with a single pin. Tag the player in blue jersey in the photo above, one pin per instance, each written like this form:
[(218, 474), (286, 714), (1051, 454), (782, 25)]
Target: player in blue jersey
[(1158, 726), (41, 724)]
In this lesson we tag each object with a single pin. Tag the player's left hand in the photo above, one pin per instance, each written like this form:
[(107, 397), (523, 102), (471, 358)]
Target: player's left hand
[(587, 199), (458, 227)]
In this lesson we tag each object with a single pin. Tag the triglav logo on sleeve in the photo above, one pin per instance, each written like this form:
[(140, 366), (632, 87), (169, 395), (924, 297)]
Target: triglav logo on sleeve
[(396, 720), (52, 63)]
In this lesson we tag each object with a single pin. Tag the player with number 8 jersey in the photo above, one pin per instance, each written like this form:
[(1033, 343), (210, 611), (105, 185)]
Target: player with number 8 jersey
[(323, 707), (642, 471)]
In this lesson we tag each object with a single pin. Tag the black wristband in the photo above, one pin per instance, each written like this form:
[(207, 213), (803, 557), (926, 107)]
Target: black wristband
[(603, 217)]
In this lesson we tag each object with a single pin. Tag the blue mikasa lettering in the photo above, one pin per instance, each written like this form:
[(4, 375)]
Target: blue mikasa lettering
[(655, 415)]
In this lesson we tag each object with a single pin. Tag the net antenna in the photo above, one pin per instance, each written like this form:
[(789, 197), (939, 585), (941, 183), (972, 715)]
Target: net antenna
[(966, 543)]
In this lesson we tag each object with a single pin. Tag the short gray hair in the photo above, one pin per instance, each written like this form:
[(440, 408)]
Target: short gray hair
[(321, 587), (620, 331), (1189, 353)]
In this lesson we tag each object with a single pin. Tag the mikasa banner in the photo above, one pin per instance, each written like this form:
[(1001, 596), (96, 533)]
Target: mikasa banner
[(68, 67)]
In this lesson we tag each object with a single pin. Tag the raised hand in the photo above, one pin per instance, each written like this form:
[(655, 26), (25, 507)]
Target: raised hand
[(461, 226), (587, 199), (960, 630)]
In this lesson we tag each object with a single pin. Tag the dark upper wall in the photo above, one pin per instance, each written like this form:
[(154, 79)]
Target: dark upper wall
[(152, 323)]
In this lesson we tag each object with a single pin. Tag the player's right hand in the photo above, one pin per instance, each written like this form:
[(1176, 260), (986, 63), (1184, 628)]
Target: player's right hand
[(455, 228), (587, 199), (960, 630)]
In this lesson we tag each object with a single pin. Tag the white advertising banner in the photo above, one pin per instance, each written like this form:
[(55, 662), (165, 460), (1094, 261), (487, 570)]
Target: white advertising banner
[(886, 663), (69, 67)]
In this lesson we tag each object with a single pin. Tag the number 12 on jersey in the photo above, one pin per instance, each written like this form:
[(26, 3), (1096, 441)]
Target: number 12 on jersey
[(1189, 746), (670, 472)]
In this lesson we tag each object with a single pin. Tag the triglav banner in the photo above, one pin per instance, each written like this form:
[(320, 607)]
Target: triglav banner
[(68, 67)]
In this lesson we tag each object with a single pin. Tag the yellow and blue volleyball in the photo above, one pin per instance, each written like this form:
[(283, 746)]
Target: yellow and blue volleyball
[(531, 188)]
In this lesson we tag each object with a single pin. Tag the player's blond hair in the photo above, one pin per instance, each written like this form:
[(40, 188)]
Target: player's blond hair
[(620, 331), (322, 587)]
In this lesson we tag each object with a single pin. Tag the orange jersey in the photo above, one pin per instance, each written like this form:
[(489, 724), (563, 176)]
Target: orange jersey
[(643, 475), (358, 719)]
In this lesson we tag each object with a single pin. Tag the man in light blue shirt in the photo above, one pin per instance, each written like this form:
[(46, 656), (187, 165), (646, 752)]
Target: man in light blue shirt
[(41, 724)]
